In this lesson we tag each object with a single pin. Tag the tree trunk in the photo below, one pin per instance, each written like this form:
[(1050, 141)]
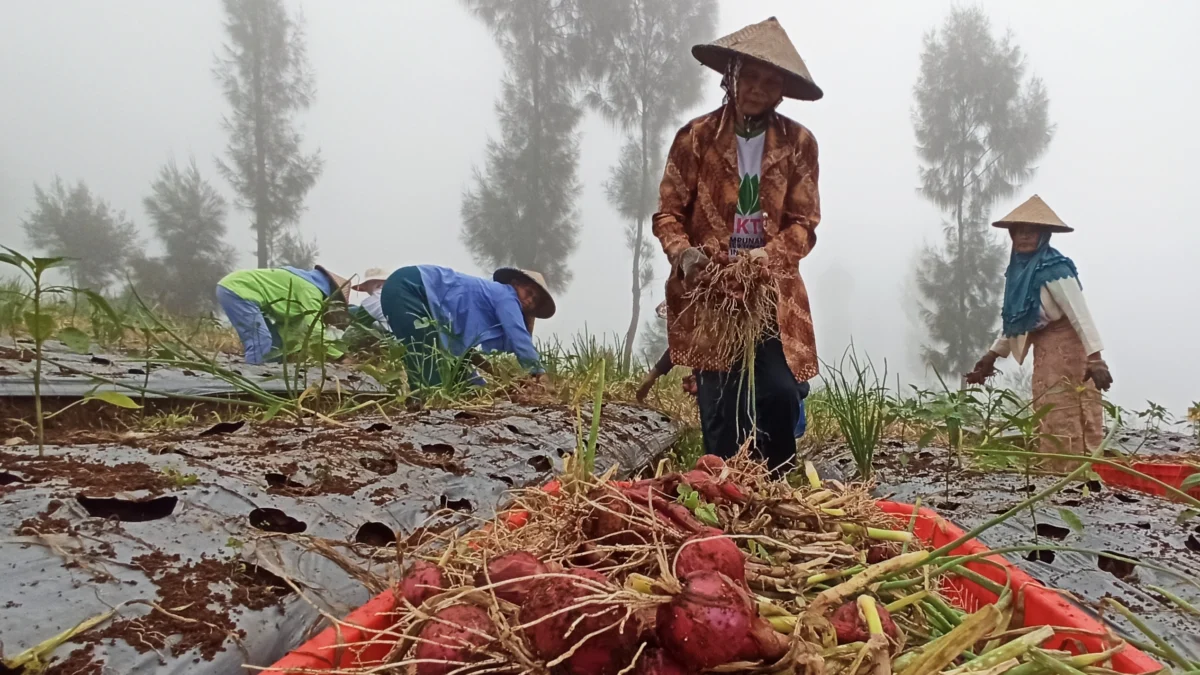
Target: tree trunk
[(631, 333), (262, 211)]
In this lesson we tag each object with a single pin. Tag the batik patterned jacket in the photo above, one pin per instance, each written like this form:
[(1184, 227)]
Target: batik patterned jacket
[(697, 201)]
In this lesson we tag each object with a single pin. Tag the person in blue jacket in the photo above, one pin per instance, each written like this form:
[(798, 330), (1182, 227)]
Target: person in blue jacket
[(428, 307)]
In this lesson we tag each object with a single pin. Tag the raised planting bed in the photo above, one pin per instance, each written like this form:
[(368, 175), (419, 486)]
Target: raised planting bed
[(364, 638)]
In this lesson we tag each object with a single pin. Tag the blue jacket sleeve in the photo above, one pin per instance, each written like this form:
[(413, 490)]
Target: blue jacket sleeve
[(517, 339)]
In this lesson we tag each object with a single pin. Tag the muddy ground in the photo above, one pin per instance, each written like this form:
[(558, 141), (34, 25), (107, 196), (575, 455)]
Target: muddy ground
[(1092, 516)]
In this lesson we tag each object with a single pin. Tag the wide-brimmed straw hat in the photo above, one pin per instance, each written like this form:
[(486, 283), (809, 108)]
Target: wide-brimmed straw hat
[(372, 274), (340, 284), (766, 43), (545, 306), (1034, 212)]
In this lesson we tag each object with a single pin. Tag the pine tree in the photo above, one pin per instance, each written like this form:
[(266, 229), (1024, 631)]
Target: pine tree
[(188, 217), (980, 125), (74, 223), (521, 209), (294, 251), (649, 82), (265, 75)]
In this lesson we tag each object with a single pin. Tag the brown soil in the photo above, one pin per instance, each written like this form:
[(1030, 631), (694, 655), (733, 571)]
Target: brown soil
[(191, 591), (81, 661), (10, 354), (90, 478), (44, 523)]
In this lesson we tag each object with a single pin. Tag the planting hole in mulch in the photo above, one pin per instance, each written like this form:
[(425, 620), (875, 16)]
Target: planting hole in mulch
[(948, 506), (378, 427), (1143, 526), (1052, 531), (503, 479), (456, 504), (128, 510), (7, 478), (1128, 499), (438, 450), (274, 520), (1118, 568), (222, 428), (1070, 503), (1094, 485), (1040, 556), (381, 466), (375, 534), (1192, 543), (541, 463), (278, 480)]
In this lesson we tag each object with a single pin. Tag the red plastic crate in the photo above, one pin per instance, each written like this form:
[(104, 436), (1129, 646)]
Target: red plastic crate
[(1170, 473), (1036, 604)]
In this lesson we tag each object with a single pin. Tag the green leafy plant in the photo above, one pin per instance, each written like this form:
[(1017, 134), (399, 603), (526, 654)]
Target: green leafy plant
[(40, 324), (690, 499), (857, 397), (179, 479)]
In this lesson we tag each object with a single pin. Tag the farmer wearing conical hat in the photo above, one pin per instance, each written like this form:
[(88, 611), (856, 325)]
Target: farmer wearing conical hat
[(1044, 309), (280, 309), (442, 316), (742, 180)]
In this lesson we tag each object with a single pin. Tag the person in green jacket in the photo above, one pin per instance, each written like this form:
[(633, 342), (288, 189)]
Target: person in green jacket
[(278, 307)]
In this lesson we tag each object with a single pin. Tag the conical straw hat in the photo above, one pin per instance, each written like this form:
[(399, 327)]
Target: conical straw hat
[(546, 307), (767, 43), (1034, 212), (340, 284)]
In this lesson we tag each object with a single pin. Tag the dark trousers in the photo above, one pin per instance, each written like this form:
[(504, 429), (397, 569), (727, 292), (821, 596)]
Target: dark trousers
[(406, 307), (727, 414)]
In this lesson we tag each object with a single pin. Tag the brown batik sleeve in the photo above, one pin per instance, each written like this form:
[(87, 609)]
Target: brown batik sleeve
[(801, 207), (676, 194)]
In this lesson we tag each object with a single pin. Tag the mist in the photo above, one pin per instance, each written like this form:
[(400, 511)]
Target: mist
[(107, 92)]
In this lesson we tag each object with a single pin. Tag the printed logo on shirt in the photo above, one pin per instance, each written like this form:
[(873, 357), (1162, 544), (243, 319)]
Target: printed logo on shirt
[(748, 230)]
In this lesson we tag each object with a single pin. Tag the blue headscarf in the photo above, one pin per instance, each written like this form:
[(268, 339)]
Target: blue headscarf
[(1023, 281)]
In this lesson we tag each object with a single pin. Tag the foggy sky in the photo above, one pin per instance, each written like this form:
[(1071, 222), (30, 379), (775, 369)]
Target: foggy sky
[(108, 91)]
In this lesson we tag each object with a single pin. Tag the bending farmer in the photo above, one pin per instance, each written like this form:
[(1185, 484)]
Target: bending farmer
[(279, 308), (742, 180), (1044, 309), (426, 305)]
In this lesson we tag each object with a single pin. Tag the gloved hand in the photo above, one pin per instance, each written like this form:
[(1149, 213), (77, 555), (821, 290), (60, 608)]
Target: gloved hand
[(692, 262), (1097, 372), (985, 368)]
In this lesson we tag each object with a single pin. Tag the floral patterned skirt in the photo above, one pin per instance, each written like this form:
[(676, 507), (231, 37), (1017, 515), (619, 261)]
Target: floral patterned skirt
[(1075, 426)]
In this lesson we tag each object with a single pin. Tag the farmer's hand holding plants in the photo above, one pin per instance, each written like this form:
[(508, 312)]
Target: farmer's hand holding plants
[(1097, 372), (984, 369), (693, 263)]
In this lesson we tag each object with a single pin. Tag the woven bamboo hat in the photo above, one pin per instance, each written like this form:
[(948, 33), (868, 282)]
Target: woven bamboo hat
[(768, 44), (545, 306), (340, 284), (1034, 212)]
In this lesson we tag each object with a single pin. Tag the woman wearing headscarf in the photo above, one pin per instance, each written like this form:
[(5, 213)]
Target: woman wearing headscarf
[(742, 180), (1044, 309)]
